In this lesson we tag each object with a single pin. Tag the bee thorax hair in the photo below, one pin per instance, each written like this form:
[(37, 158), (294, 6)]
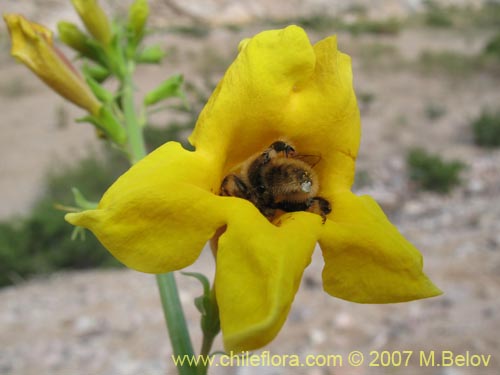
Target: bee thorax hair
[(289, 177), (278, 179)]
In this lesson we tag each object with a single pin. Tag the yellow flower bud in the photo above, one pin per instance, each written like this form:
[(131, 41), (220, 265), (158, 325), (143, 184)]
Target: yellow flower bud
[(94, 18), (138, 15), (73, 37), (33, 46)]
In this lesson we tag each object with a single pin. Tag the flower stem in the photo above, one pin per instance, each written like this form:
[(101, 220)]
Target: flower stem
[(176, 323), (172, 308), (137, 148), (206, 346), (211, 327)]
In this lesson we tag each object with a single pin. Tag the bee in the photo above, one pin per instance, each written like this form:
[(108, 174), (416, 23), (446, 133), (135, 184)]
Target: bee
[(278, 179)]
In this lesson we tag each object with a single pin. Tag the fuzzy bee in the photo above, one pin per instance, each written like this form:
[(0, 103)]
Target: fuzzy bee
[(278, 179)]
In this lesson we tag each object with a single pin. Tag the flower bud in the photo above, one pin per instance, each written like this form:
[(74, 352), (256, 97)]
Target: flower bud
[(107, 122), (97, 72), (167, 89), (137, 17), (73, 37), (151, 55), (32, 45), (94, 19)]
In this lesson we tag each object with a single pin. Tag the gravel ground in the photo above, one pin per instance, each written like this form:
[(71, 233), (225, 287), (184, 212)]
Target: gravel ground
[(110, 322)]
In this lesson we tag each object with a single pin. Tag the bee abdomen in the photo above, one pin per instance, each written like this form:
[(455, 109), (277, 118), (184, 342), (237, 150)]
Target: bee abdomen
[(293, 206), (234, 186)]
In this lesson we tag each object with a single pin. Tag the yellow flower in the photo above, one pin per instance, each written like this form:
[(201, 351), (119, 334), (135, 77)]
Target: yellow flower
[(158, 216), (32, 45), (94, 19)]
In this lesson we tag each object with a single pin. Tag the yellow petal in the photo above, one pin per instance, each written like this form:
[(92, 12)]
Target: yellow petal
[(259, 268), (32, 45), (281, 87), (156, 218), (250, 101), (94, 18), (325, 113), (367, 260)]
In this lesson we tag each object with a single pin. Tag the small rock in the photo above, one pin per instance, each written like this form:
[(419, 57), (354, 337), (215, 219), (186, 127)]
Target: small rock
[(343, 320), (317, 337), (87, 326), (414, 208), (475, 186)]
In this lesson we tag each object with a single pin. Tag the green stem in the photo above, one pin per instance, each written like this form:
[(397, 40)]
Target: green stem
[(134, 130), (211, 327), (176, 323), (172, 308), (206, 346)]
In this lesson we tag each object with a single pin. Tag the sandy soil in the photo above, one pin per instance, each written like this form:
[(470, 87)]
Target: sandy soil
[(111, 322)]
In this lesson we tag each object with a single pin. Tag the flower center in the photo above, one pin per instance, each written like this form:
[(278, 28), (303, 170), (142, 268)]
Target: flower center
[(278, 179)]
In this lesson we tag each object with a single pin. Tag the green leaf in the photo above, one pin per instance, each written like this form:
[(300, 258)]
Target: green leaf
[(167, 89), (200, 303), (202, 279), (107, 123), (78, 232), (99, 91), (81, 201), (206, 304)]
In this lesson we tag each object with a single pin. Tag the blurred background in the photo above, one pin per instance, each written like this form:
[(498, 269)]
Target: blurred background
[(427, 77)]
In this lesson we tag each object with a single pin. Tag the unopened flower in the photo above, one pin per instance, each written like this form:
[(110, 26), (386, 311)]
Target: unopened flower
[(33, 46), (94, 19), (137, 17), (158, 216), (73, 37)]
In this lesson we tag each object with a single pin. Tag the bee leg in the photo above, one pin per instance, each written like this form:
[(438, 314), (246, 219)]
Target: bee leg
[(316, 205), (320, 206), (233, 186), (292, 206), (268, 212)]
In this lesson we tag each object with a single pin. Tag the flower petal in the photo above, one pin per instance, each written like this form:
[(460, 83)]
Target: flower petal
[(259, 268), (325, 114), (281, 87), (367, 260), (155, 218), (245, 113)]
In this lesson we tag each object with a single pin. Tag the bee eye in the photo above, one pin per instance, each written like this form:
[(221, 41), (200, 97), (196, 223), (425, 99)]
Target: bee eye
[(306, 186)]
